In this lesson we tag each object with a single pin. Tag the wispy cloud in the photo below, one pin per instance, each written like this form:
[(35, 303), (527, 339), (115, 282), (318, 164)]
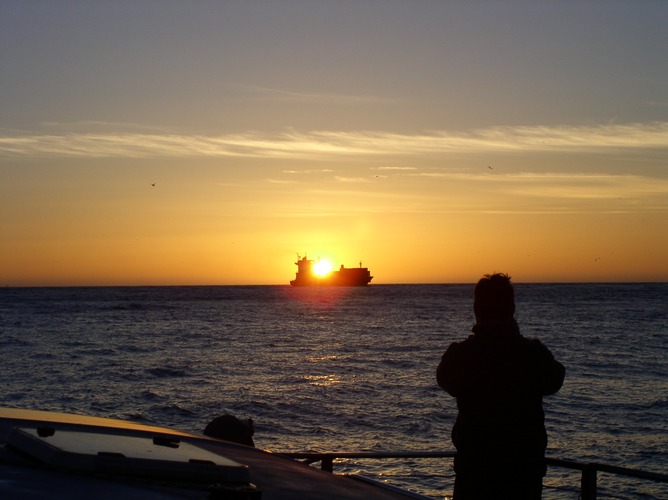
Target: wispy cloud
[(587, 186), (397, 168), (309, 171), (329, 144), (279, 181), (459, 193), (351, 179), (559, 185)]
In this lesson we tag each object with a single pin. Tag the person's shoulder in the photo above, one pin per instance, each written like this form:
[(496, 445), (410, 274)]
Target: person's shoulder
[(460, 347), (461, 344), (532, 341), (536, 342), (535, 345)]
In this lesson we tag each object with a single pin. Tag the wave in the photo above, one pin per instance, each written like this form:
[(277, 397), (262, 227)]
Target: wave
[(166, 372)]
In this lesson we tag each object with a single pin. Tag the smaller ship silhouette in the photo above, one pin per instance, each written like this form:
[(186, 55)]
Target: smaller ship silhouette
[(345, 276)]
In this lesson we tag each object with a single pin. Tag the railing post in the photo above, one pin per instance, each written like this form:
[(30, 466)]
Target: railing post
[(588, 484)]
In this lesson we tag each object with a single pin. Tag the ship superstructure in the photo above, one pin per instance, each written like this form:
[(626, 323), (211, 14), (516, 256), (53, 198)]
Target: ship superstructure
[(345, 276)]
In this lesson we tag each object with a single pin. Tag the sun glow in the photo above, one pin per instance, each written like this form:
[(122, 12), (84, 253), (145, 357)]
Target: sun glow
[(322, 268)]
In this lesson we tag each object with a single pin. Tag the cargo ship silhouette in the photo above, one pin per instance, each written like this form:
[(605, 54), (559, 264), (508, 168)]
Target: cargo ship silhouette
[(345, 276)]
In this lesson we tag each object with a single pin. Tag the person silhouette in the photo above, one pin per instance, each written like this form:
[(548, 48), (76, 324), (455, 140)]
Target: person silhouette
[(498, 378)]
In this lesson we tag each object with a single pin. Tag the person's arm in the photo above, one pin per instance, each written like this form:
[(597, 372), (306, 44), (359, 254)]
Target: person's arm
[(554, 378), (447, 373), (551, 373)]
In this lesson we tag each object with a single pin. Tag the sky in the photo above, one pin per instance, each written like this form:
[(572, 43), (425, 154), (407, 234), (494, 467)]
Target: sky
[(212, 142)]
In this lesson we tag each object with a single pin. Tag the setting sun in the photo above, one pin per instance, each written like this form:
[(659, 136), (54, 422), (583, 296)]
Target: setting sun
[(322, 268)]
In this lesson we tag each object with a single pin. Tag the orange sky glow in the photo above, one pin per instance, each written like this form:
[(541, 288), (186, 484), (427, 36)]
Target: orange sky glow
[(212, 145)]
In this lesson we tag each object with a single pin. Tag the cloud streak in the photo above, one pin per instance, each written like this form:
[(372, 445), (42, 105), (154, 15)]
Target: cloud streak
[(330, 144), (528, 193)]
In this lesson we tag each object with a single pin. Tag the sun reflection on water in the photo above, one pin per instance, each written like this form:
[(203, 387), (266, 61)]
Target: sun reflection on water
[(323, 380)]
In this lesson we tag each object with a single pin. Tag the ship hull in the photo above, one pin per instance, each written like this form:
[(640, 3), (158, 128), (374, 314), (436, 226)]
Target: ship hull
[(335, 279)]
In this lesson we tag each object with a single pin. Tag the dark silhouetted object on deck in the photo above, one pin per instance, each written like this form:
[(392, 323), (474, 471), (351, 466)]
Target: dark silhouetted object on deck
[(499, 379), (230, 428)]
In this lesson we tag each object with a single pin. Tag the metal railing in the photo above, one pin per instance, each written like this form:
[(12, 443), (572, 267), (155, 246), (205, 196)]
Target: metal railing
[(589, 470)]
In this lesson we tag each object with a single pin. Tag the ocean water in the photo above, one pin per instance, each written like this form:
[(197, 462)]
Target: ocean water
[(344, 369)]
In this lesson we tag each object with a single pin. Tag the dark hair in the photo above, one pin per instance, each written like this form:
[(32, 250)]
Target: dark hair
[(494, 297)]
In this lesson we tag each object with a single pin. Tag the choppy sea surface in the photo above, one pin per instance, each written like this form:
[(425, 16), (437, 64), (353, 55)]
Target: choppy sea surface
[(344, 369)]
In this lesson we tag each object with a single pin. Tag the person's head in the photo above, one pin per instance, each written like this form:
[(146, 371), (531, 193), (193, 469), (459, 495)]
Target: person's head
[(494, 299), (230, 428)]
